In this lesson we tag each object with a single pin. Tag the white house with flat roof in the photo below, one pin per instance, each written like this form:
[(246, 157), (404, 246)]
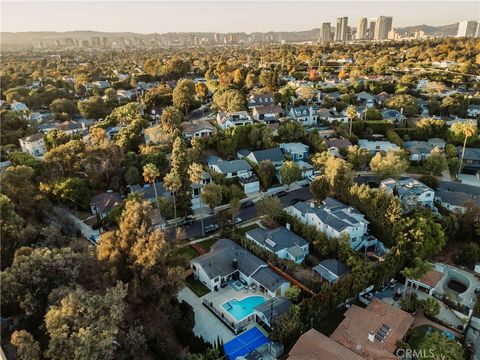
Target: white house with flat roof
[(231, 119), (410, 191)]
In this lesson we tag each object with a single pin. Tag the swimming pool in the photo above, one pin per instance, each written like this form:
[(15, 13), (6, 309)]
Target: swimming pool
[(240, 309)]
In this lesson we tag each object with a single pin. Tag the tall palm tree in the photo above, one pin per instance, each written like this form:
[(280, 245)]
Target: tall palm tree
[(351, 113), (150, 175), (421, 267), (196, 174), (172, 183), (469, 129)]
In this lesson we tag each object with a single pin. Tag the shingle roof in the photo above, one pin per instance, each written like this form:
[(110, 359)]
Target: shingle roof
[(455, 198), (470, 153), (269, 279), (269, 109), (334, 266), (338, 143), (195, 126), (233, 166), (33, 137), (281, 237), (274, 307), (273, 154), (105, 202), (148, 191)]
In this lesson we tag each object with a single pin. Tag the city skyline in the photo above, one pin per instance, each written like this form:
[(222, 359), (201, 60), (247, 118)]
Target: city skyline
[(160, 17)]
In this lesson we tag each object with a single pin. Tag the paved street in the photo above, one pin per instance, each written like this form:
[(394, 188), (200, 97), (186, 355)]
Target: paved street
[(249, 213)]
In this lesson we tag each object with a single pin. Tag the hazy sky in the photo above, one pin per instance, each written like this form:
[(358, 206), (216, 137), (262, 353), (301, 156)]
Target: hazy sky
[(221, 16)]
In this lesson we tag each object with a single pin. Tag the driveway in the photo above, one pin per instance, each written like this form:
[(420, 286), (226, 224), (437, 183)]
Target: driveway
[(85, 230), (207, 325)]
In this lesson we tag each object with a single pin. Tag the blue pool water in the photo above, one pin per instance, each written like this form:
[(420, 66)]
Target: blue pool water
[(240, 309)]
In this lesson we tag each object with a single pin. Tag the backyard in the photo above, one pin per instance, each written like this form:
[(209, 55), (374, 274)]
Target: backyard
[(196, 286), (416, 335)]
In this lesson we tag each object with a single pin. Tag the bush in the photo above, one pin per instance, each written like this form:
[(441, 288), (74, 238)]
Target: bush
[(393, 137), (410, 303), (430, 181)]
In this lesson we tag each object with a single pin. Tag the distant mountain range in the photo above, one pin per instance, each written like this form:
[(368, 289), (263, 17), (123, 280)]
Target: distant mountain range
[(28, 39)]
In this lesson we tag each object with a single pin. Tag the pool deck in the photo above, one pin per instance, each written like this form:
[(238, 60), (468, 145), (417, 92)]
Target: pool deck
[(218, 298)]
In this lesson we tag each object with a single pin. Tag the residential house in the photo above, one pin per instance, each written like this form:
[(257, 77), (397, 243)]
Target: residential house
[(471, 159), (268, 312), (437, 142), (428, 282), (373, 332), (101, 85), (306, 115), (126, 95), (314, 345), (454, 200), (473, 111), (332, 115), (267, 114), (418, 150), (296, 151), (331, 270), (393, 115), (334, 145), (365, 99), (239, 169), (326, 132), (284, 243), (258, 100), (382, 98), (72, 127), (306, 168), (103, 203), (423, 108), (18, 106), (33, 144), (377, 146), (275, 155), (228, 261), (411, 192), (197, 129), (335, 95), (335, 219), (231, 119)]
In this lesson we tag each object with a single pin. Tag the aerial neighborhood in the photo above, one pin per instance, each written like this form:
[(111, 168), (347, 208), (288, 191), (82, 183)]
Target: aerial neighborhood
[(238, 201)]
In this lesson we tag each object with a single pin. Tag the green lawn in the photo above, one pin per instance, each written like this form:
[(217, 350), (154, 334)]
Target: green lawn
[(187, 251), (416, 335), (207, 244), (196, 286)]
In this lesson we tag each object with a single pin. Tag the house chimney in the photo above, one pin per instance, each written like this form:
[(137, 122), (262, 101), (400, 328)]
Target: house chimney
[(371, 336), (235, 264), (312, 204), (287, 225)]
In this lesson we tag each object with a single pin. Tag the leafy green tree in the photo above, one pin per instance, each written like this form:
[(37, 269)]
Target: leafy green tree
[(212, 195), (72, 192), (406, 102), (60, 106), (229, 100), (293, 293), (12, 227), (441, 346), (56, 138), (136, 253), (179, 169), (266, 173), (358, 157), (288, 327), (17, 184), (436, 162), (35, 273), (132, 175), (290, 172), (430, 181), (171, 119), (467, 129), (86, 325), (319, 187), (431, 307), (339, 174), (150, 175), (389, 165), (27, 347), (290, 131), (184, 95), (270, 207), (428, 128), (373, 114), (172, 183), (18, 158), (92, 108), (352, 114)]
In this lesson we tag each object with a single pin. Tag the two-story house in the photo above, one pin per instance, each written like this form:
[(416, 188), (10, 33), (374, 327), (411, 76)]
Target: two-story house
[(232, 119), (306, 115), (275, 155), (267, 114), (296, 151), (331, 116), (33, 144), (411, 192), (239, 169), (471, 159), (197, 129), (284, 243), (335, 219), (258, 100)]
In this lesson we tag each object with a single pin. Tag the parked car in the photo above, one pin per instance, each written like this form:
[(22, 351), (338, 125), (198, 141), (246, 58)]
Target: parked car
[(211, 228), (237, 220), (186, 221), (281, 193), (246, 204), (294, 201), (94, 238)]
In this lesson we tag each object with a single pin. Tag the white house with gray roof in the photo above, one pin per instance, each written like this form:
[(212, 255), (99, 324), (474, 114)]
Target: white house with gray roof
[(275, 155), (377, 146), (331, 270), (280, 241), (228, 261), (231, 119), (306, 115), (411, 192), (240, 169), (335, 219)]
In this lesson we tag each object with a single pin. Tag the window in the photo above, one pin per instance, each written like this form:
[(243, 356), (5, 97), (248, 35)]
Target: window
[(194, 268)]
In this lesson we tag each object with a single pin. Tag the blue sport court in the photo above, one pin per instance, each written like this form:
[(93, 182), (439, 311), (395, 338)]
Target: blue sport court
[(245, 343)]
